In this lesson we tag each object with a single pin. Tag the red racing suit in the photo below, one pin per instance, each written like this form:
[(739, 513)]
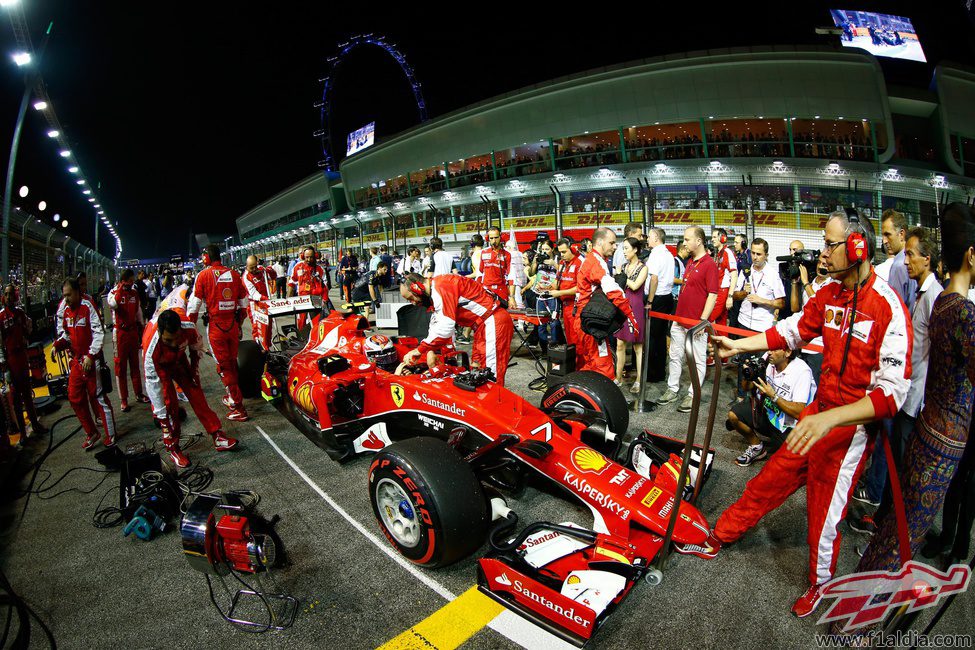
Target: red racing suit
[(127, 335), (226, 300), (591, 355), (459, 301), (14, 328), (726, 264), (309, 281), (82, 335), (495, 267), (164, 366), (567, 280), (879, 366)]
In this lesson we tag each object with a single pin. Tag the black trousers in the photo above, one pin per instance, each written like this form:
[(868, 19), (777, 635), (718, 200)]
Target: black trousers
[(959, 506), (657, 354)]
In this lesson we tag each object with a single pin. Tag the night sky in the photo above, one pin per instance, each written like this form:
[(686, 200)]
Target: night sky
[(190, 116)]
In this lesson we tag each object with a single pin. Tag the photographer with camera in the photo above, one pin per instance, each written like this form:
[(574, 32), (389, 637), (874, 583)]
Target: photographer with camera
[(866, 374), (802, 290), (784, 386)]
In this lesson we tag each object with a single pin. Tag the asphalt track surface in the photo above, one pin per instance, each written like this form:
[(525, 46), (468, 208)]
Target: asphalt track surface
[(97, 589)]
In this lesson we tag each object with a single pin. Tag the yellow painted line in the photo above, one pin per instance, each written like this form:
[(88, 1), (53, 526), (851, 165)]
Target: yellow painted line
[(450, 626)]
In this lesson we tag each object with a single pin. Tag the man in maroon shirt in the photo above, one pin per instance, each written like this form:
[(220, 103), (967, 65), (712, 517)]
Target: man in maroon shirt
[(697, 298)]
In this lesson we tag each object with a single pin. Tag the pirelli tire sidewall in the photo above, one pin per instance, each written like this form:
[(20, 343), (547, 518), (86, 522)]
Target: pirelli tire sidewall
[(250, 368), (447, 498), (597, 392)]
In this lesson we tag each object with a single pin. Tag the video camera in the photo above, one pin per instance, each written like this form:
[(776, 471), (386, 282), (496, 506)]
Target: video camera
[(754, 368), (807, 258)]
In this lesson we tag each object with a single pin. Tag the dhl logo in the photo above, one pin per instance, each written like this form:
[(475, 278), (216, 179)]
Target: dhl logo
[(762, 219), (601, 220), (674, 217), (529, 223)]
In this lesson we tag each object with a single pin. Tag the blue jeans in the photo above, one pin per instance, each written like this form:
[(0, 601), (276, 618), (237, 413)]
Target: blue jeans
[(548, 332)]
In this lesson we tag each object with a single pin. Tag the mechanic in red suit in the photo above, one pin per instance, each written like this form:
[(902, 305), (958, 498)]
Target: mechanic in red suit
[(458, 301), (496, 265), (594, 273), (865, 377), (308, 279), (259, 281), (226, 301), (124, 302), (728, 268), (167, 340), (15, 327), (568, 268), (83, 285), (81, 334)]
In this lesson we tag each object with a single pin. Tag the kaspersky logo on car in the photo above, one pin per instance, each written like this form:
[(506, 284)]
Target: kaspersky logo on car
[(437, 404)]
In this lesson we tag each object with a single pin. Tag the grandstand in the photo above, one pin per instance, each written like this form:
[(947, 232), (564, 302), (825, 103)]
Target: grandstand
[(761, 141)]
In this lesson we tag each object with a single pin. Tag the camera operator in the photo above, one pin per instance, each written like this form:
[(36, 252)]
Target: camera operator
[(761, 294), (802, 289), (784, 386), (866, 373)]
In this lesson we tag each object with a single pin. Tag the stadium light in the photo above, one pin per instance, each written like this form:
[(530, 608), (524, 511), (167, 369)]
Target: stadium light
[(80, 181), (64, 224), (53, 133), (7, 4), (24, 191), (42, 206), (65, 153), (21, 59), (87, 192), (91, 200), (73, 170), (57, 217), (40, 106)]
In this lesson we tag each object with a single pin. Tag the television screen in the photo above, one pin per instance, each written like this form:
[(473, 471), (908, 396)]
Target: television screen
[(879, 34), (361, 138)]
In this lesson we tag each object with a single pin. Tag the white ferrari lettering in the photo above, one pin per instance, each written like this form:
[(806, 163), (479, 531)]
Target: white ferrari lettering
[(582, 487)]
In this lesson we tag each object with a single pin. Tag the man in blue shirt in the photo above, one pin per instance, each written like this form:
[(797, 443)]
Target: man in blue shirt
[(894, 232)]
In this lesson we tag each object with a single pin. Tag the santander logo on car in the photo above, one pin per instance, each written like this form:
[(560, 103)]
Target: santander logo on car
[(423, 398), (569, 613)]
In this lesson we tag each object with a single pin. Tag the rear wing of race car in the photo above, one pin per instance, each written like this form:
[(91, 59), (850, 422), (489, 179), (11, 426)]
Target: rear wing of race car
[(277, 307)]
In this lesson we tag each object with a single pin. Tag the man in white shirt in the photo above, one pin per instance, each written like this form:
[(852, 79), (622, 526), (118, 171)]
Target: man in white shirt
[(442, 261), (659, 290), (787, 389), (281, 280), (410, 263), (760, 290)]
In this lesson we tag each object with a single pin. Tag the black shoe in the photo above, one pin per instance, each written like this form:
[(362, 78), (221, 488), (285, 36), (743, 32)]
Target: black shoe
[(860, 494), (864, 524)]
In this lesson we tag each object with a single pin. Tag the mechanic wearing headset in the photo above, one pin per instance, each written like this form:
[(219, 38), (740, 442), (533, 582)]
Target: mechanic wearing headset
[(308, 279), (495, 266), (594, 273), (80, 332), (461, 302), (865, 377), (15, 327), (128, 319), (166, 340), (728, 267), (226, 300)]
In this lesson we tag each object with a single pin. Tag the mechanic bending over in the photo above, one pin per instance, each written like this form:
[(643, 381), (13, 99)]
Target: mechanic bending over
[(457, 301), (167, 340), (866, 374), (368, 288), (226, 300), (786, 389)]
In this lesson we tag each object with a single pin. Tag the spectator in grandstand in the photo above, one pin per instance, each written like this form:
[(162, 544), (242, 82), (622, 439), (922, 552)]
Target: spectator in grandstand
[(777, 402), (632, 229), (698, 295), (280, 279), (658, 289), (634, 277), (442, 262)]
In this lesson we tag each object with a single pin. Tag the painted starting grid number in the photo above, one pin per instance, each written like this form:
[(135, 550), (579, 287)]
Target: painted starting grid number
[(544, 428)]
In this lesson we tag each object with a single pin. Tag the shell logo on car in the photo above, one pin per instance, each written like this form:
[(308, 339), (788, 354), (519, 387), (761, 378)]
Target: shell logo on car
[(589, 460)]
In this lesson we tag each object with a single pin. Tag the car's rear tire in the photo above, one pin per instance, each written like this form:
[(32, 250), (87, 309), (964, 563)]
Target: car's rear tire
[(250, 368), (428, 502), (588, 390)]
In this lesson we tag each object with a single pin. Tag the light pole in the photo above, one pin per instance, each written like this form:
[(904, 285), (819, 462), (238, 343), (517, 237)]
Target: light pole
[(29, 82)]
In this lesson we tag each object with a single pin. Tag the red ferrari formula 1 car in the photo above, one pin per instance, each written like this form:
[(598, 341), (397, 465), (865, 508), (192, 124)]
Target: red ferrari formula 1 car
[(450, 444)]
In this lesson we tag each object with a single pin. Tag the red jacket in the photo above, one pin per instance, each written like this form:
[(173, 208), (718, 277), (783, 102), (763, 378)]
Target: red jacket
[(80, 330), (14, 326), (879, 361), (594, 273), (308, 280), (495, 267), (260, 283), (124, 301), (458, 301), (567, 279), (162, 362), (223, 292)]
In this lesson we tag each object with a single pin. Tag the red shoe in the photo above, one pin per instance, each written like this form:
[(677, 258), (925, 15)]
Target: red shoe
[(125, 407), (237, 414), (90, 441), (706, 551), (108, 441), (179, 458), (807, 603), (143, 399), (223, 442)]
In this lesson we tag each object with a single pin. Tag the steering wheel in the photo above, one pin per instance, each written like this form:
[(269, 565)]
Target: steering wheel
[(415, 369)]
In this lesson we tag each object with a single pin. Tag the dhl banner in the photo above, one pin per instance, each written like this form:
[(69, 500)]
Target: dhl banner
[(818, 222)]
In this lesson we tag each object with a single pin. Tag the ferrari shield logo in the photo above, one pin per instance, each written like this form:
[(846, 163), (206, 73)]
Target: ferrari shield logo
[(398, 394)]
